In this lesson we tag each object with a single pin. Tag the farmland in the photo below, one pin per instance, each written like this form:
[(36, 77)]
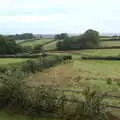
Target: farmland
[(6, 61), (110, 43), (69, 75), (35, 42)]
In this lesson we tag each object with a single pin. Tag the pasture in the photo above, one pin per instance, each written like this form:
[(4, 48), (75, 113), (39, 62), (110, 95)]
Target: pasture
[(110, 43), (51, 46), (6, 61), (79, 74), (35, 42)]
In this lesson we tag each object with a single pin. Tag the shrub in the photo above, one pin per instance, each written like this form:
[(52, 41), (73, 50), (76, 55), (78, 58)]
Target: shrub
[(11, 91), (91, 108)]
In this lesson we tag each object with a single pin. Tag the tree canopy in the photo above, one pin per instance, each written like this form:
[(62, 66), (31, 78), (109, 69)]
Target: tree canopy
[(9, 46), (61, 36), (22, 36), (89, 39)]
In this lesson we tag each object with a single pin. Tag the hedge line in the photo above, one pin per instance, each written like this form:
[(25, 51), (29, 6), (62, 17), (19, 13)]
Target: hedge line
[(36, 65), (21, 56), (100, 58)]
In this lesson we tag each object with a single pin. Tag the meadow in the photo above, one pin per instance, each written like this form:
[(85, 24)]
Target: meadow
[(6, 61), (35, 42), (110, 44)]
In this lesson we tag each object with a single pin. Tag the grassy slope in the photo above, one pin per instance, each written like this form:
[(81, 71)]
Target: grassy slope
[(51, 46), (35, 42)]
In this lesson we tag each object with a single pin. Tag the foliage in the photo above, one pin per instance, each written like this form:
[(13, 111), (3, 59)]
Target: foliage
[(61, 36), (37, 49), (91, 108), (11, 91), (8, 46), (22, 36), (90, 39)]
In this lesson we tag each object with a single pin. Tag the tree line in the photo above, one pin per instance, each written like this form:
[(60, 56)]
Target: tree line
[(88, 40), (22, 36)]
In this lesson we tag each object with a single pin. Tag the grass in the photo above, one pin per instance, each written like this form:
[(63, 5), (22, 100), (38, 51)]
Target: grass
[(6, 61), (19, 41), (51, 46), (13, 116), (80, 74), (110, 43), (100, 52), (35, 42)]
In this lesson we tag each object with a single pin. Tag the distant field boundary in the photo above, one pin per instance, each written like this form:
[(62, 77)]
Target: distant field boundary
[(100, 58), (21, 56)]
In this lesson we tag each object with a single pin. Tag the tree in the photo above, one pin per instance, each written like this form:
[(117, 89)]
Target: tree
[(37, 49), (61, 36), (90, 39), (22, 36), (9, 46)]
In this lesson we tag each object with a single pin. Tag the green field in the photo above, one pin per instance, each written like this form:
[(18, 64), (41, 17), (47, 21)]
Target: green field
[(51, 46), (110, 43), (80, 74), (100, 52), (35, 42), (6, 61), (19, 41)]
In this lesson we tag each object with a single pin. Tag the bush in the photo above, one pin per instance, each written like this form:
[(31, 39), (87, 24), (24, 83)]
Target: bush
[(91, 108), (11, 91), (43, 63)]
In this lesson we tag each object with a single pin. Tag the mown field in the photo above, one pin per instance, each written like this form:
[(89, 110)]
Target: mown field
[(35, 42)]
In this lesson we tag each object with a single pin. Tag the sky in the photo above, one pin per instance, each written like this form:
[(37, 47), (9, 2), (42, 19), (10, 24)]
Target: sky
[(57, 16)]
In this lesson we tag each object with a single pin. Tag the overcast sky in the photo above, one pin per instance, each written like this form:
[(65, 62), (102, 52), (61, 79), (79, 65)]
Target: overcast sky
[(56, 16)]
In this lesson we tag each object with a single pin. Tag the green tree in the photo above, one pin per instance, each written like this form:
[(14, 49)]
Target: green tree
[(9, 46), (61, 36)]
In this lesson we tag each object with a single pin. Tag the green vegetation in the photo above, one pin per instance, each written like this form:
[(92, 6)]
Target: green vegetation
[(90, 39), (51, 46), (6, 61), (22, 36), (60, 84), (8, 46), (110, 44), (100, 52), (35, 42)]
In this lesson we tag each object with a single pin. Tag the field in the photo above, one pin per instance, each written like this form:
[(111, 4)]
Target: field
[(76, 74), (79, 73), (6, 61), (51, 46), (101, 52), (35, 42), (110, 44)]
